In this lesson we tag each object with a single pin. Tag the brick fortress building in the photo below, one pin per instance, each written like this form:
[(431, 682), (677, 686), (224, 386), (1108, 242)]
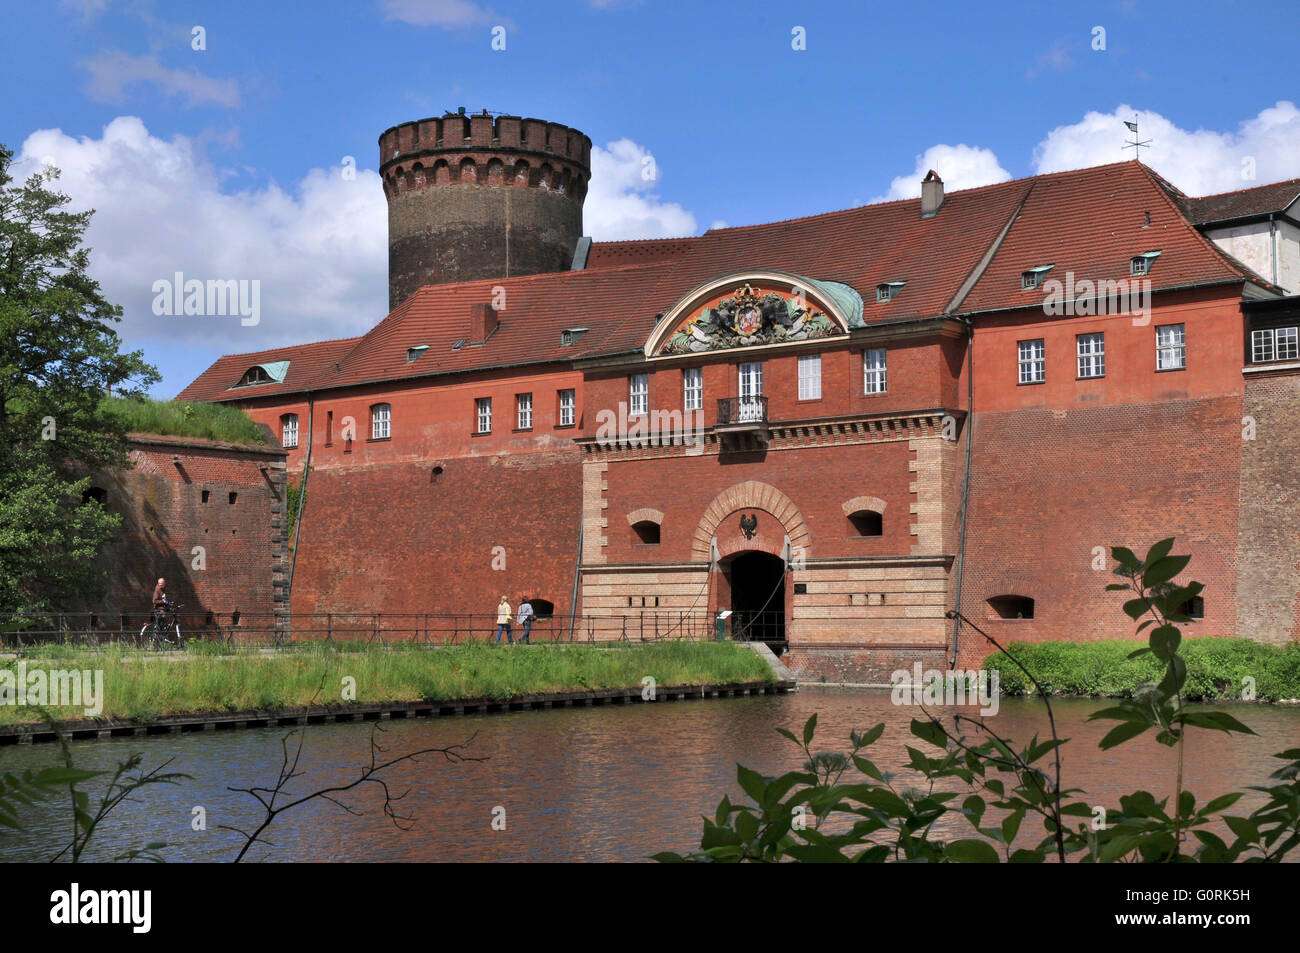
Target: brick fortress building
[(839, 427)]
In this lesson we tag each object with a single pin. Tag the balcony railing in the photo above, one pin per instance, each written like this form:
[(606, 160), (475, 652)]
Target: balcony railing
[(733, 411)]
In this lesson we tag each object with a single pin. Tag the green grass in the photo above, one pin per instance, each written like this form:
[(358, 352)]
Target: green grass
[(178, 418), (1216, 668), (142, 689)]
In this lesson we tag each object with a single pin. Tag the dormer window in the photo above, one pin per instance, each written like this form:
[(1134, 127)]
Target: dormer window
[(571, 336), (1141, 264), (413, 354), (270, 372), (254, 375), (1032, 278), (888, 290)]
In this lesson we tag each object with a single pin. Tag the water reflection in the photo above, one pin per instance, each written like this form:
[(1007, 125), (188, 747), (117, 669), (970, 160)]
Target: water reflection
[(617, 783)]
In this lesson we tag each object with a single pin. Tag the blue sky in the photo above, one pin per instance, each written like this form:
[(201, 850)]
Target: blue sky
[(225, 162)]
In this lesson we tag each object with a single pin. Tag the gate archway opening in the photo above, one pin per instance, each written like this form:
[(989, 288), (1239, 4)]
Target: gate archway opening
[(757, 584)]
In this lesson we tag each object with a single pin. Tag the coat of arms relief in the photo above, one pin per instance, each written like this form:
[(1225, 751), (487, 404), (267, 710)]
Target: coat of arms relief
[(746, 318)]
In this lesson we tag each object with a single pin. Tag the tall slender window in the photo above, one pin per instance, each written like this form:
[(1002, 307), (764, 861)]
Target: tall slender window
[(379, 422), (639, 394), (810, 377), (289, 431), (1092, 355), (751, 389), (1033, 361), (693, 388), (483, 407), (567, 405), (873, 371), (1171, 347), (524, 410)]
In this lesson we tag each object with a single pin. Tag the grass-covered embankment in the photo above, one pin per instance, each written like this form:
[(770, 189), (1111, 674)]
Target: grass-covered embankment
[(140, 689), (1217, 668), (179, 418)]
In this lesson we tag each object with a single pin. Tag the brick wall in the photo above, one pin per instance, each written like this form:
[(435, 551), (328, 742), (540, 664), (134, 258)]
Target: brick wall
[(1268, 548), (400, 538), (1049, 486), (177, 496)]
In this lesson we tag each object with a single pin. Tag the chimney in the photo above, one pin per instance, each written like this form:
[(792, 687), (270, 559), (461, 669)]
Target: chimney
[(482, 322), (931, 194)]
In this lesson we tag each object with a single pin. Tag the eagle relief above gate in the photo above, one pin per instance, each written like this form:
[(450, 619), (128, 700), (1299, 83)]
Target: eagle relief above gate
[(749, 316)]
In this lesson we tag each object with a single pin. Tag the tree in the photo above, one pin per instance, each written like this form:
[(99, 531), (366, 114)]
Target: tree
[(59, 356)]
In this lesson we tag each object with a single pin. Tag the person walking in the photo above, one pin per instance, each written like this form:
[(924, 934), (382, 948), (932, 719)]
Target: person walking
[(503, 621), (525, 620)]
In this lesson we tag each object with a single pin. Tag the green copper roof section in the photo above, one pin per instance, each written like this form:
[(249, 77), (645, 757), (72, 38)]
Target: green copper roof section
[(844, 297), (276, 370)]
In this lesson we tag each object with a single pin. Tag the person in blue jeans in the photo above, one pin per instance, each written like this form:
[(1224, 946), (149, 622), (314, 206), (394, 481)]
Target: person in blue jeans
[(503, 621), (525, 619)]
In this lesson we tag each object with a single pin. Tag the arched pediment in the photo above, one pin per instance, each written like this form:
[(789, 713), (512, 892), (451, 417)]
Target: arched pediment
[(755, 309)]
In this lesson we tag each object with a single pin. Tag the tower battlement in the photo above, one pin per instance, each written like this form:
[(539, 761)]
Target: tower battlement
[(474, 197)]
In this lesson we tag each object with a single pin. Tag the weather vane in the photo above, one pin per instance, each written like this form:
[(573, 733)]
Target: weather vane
[(1138, 143)]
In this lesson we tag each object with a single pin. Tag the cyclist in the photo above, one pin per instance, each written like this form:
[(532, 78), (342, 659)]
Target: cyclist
[(160, 607)]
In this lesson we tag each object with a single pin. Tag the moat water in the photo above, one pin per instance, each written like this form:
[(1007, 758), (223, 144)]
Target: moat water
[(588, 784)]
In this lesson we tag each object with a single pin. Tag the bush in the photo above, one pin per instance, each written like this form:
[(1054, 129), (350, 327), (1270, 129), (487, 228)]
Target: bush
[(1216, 668)]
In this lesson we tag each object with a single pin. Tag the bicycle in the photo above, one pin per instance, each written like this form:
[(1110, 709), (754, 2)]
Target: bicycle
[(163, 628)]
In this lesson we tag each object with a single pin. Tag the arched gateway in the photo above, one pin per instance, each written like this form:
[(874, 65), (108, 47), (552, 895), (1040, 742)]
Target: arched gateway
[(753, 536)]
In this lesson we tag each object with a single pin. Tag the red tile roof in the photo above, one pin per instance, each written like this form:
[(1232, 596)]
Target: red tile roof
[(1089, 221), (306, 361), (1243, 203)]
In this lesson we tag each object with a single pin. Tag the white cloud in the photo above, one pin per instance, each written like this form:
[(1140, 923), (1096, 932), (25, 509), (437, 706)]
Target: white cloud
[(319, 252), (1200, 162), (112, 73), (448, 14), (620, 204), (960, 167), (318, 248)]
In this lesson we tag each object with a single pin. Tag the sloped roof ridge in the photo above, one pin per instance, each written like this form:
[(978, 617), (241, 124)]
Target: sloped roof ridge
[(1228, 261), (1251, 188), (291, 347), (1037, 177)]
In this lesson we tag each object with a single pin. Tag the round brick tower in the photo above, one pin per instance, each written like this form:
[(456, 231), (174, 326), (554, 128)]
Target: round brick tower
[(477, 197)]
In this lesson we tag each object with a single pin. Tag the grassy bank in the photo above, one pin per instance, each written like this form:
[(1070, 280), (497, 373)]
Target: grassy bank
[(138, 689), (1216, 668), (178, 418)]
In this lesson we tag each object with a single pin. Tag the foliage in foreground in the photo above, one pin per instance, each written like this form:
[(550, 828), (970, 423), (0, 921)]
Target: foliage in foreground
[(59, 354), (827, 813)]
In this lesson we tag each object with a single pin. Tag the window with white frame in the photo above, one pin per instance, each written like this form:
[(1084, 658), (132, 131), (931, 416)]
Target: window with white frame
[(810, 376), (1171, 347), (1092, 355), (289, 431), (873, 371), (693, 388), (379, 421), (751, 389), (1033, 361), (483, 406), (568, 404), (524, 411), (1274, 344), (638, 389)]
